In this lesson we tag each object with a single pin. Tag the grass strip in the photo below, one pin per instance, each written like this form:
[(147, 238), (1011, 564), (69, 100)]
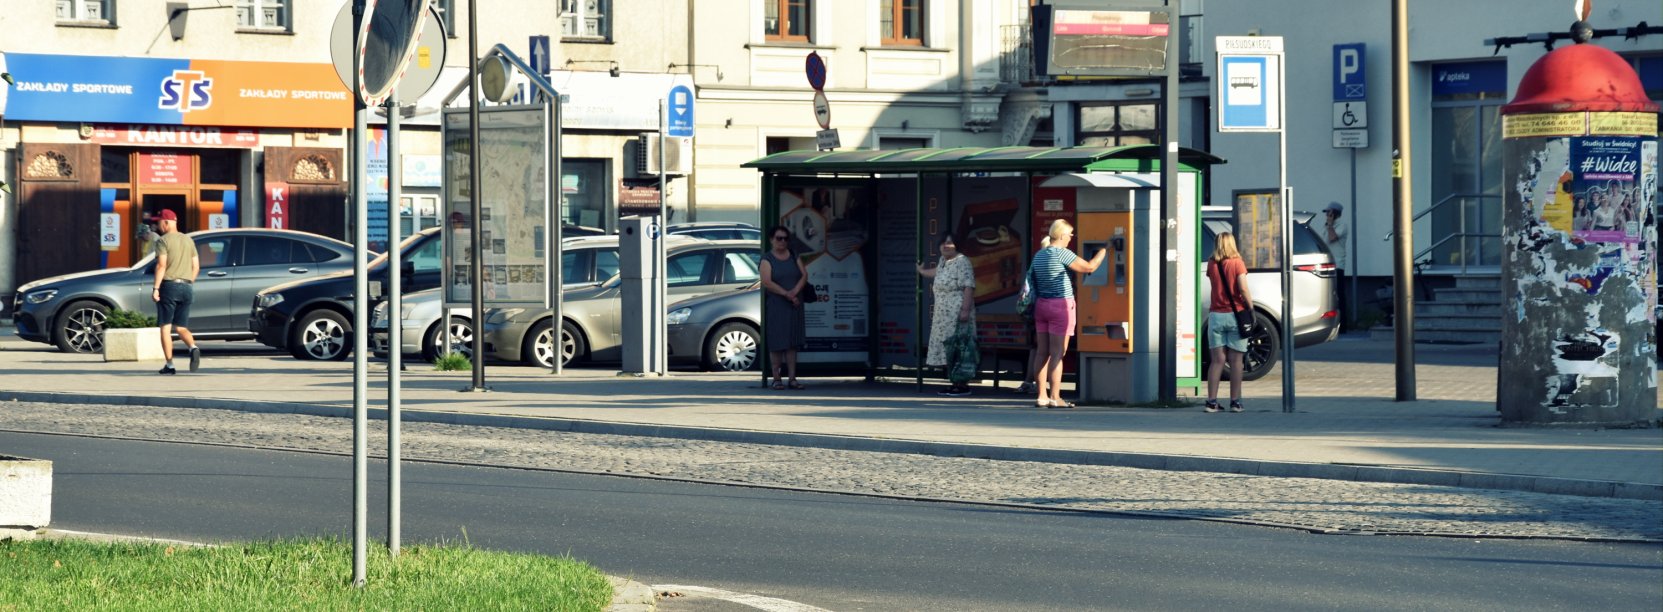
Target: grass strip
[(301, 574)]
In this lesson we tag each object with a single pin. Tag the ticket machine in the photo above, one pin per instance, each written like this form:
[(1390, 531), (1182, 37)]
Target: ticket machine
[(1116, 305)]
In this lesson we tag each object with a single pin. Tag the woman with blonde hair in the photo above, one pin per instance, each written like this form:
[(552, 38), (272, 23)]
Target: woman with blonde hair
[(1228, 275), (1054, 311)]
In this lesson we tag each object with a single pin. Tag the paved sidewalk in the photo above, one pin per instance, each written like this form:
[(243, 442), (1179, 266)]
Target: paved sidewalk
[(1346, 426)]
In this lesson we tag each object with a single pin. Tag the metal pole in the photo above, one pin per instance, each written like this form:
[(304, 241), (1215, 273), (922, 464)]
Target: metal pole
[(556, 195), (656, 315), (1403, 317), (395, 335), (921, 325), (1350, 305), (1168, 368), (1287, 242), (360, 320), (476, 270)]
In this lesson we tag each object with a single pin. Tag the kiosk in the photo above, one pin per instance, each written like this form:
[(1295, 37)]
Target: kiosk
[(862, 220)]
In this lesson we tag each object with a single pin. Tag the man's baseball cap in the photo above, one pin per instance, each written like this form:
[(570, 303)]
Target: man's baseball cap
[(1335, 206), (167, 215)]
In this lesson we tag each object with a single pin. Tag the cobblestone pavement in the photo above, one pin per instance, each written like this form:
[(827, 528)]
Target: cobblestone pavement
[(1320, 505)]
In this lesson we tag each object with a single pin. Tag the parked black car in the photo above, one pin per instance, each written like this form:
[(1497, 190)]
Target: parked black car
[(313, 318), (69, 310)]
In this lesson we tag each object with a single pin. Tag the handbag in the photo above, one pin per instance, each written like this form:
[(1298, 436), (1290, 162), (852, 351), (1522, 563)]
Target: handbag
[(1025, 299), (807, 294)]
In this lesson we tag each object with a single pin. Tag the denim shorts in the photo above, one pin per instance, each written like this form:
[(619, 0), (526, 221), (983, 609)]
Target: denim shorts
[(1222, 331), (174, 306)]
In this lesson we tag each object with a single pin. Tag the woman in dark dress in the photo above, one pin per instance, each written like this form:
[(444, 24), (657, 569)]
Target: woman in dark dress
[(783, 278)]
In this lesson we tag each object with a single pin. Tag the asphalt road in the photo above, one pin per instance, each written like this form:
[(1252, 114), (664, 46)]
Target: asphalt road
[(836, 552)]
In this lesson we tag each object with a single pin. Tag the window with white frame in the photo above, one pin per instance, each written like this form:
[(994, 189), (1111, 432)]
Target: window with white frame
[(585, 18), (85, 10), (263, 14)]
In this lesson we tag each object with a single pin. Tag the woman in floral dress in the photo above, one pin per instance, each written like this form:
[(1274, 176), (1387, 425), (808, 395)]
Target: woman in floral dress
[(955, 306)]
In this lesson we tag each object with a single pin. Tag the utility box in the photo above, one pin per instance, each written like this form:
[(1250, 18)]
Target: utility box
[(639, 274), (1116, 306)]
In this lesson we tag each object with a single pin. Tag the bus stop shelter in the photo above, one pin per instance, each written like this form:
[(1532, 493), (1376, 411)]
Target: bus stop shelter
[(862, 220)]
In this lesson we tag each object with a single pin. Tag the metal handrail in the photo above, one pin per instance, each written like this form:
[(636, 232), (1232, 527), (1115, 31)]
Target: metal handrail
[(1461, 234)]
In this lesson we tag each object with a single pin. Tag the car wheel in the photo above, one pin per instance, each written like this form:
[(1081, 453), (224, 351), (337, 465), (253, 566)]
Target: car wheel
[(80, 327), (461, 340), (540, 347), (1264, 348), (732, 348), (323, 335)]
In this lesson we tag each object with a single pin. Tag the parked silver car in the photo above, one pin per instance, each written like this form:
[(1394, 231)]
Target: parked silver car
[(69, 310), (591, 329), (718, 331), (1316, 315)]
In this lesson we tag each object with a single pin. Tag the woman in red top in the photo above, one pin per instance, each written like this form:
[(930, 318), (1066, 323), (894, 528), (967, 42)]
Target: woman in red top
[(1229, 280)]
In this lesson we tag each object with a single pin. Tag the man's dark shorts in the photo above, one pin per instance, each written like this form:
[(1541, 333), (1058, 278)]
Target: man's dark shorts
[(174, 307)]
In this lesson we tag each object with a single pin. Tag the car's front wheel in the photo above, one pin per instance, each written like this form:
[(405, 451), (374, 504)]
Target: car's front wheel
[(733, 347), (80, 327), (461, 340), (540, 344), (323, 335)]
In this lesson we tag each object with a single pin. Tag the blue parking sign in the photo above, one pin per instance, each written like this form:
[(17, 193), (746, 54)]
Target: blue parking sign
[(1349, 82), (679, 106)]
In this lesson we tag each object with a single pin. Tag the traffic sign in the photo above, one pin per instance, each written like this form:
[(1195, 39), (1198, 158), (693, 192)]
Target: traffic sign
[(826, 140), (1349, 81), (679, 106), (1351, 139), (540, 55), (1348, 115), (1250, 83), (816, 69), (822, 110)]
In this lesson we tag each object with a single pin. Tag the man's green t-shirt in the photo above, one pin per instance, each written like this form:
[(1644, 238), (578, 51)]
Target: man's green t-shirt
[(180, 250)]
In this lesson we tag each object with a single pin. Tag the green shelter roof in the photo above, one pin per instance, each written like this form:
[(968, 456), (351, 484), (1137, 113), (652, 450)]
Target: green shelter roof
[(976, 159)]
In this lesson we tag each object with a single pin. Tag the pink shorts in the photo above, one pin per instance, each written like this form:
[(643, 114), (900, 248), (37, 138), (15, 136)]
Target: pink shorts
[(1054, 316)]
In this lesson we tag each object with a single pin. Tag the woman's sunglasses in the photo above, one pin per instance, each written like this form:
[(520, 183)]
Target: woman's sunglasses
[(782, 237)]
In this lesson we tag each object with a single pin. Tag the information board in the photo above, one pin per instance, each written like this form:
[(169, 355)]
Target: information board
[(515, 209)]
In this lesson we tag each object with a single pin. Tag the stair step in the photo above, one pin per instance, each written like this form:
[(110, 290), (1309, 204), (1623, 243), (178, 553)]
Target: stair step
[(1434, 309), (1446, 294), (1488, 281), (1439, 336), (1458, 323)]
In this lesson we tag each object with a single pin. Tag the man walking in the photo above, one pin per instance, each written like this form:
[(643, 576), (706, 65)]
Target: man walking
[(1334, 234), (176, 270)]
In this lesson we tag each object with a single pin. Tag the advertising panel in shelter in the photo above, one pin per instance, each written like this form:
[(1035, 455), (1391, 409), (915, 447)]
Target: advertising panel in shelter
[(141, 90), (830, 225)]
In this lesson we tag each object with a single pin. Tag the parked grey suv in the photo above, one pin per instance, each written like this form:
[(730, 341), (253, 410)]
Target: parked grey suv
[(1316, 315), (69, 310)]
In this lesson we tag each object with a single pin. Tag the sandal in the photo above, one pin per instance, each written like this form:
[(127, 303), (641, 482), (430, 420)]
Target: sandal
[(1062, 404), (1044, 403), (778, 386), (796, 386), (1212, 406)]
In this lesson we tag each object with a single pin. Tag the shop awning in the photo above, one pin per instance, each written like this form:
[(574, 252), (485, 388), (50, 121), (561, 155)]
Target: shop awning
[(976, 159)]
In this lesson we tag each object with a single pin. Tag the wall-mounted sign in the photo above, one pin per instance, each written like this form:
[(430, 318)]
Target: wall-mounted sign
[(95, 89), (175, 136), (277, 205), (109, 231), (1489, 76), (422, 170), (164, 169)]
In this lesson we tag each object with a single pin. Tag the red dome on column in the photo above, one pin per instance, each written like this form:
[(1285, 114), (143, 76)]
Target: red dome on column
[(1580, 78)]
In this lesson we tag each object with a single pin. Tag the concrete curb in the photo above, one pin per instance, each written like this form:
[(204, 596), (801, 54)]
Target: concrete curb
[(1192, 463), (627, 595)]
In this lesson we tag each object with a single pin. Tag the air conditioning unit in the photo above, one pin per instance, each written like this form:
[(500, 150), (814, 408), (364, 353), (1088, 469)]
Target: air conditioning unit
[(678, 155)]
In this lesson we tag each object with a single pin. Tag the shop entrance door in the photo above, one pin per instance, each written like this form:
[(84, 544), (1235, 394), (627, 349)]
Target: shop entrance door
[(150, 207)]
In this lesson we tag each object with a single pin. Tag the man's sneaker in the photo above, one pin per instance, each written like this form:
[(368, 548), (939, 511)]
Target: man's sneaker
[(1027, 388), (167, 370), (1235, 406), (196, 358), (1211, 406), (958, 391)]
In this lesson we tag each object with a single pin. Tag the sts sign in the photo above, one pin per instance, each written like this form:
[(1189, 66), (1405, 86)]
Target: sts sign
[(1348, 73)]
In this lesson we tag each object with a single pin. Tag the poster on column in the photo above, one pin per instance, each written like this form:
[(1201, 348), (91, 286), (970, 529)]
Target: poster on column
[(1606, 192), (828, 221)]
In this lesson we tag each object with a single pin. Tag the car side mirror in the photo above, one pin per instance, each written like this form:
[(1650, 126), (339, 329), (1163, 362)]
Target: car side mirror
[(407, 272), (376, 292)]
